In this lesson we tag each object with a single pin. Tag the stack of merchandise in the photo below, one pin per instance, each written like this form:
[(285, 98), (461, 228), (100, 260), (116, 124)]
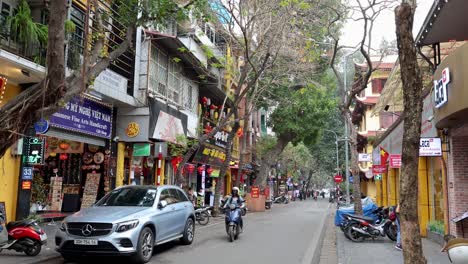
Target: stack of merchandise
[(55, 194), (91, 189)]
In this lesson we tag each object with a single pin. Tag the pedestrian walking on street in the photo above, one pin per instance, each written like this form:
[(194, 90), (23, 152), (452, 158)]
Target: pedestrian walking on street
[(398, 242)]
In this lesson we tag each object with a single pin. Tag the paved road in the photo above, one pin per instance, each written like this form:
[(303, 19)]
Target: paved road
[(286, 234)]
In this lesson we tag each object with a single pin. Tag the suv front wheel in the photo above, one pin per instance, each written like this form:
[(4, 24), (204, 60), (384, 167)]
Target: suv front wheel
[(145, 246)]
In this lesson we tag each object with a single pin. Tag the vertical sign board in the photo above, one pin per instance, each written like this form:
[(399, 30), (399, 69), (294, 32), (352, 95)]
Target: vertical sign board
[(255, 192), (33, 154)]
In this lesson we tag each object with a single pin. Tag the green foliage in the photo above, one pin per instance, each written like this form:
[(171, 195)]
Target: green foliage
[(302, 114), (34, 217), (176, 59), (436, 226), (70, 27), (265, 145), (181, 146), (24, 30), (208, 51), (38, 194)]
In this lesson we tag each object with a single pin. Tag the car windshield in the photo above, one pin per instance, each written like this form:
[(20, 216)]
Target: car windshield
[(129, 197)]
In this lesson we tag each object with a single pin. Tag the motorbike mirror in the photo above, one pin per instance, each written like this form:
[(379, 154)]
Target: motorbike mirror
[(162, 204)]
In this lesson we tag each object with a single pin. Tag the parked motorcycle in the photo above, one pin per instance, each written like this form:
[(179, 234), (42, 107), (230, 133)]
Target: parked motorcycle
[(233, 221), (281, 199), (24, 236), (202, 215), (268, 203), (361, 227), (381, 215)]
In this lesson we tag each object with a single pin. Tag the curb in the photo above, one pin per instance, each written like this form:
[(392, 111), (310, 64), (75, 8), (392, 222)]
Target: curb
[(43, 259), (318, 249)]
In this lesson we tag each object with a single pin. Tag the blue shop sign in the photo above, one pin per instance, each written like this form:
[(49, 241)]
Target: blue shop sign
[(85, 116), (27, 173)]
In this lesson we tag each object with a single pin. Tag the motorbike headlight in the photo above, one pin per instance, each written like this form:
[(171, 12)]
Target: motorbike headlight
[(127, 225), (63, 226), (232, 206)]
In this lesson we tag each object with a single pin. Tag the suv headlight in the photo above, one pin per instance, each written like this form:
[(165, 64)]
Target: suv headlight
[(127, 225), (63, 226)]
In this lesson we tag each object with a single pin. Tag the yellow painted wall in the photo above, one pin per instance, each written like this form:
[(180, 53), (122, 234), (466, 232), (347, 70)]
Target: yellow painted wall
[(163, 177), (371, 190), (9, 167), (378, 187), (120, 164), (384, 189), (423, 201), (392, 191)]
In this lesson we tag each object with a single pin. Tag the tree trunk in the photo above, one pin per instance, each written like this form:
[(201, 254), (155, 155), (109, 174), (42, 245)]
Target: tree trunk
[(243, 145), (224, 167), (355, 169), (412, 83), (270, 157), (25, 106)]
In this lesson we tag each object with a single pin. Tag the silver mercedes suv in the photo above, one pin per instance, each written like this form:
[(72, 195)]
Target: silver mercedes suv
[(128, 221)]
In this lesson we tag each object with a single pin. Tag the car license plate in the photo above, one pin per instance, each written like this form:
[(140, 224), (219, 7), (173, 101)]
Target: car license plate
[(86, 242), (43, 237)]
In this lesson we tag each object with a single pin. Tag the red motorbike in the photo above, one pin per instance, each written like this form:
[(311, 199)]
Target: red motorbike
[(24, 236)]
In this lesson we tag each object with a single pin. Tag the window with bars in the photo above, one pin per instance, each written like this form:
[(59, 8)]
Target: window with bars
[(158, 71), (5, 12), (173, 83)]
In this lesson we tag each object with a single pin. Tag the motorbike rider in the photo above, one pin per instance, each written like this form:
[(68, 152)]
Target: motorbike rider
[(236, 199)]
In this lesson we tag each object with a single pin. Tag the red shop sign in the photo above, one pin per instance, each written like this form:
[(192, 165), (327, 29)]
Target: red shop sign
[(255, 193), (379, 169), (395, 161)]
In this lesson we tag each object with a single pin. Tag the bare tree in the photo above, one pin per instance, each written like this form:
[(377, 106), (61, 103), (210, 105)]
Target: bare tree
[(367, 12)]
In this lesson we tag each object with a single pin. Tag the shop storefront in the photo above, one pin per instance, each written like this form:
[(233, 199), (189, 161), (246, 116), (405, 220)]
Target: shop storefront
[(67, 164), (387, 168), (451, 109)]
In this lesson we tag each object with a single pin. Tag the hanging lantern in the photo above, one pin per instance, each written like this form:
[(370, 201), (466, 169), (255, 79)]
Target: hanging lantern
[(63, 156), (175, 163), (204, 100), (53, 154), (240, 132), (200, 169), (64, 145), (209, 170), (190, 168)]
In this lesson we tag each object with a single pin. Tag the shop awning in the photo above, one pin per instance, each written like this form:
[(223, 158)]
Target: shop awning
[(73, 136), (445, 22)]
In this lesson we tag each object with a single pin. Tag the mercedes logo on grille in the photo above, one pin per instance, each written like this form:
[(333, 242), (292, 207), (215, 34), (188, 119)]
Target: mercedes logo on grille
[(87, 230)]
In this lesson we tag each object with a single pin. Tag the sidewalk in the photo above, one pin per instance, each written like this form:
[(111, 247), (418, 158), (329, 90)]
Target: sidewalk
[(381, 250)]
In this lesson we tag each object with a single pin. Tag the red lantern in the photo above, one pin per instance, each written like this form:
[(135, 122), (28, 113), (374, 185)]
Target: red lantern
[(209, 170), (200, 169), (175, 163), (63, 156), (190, 168)]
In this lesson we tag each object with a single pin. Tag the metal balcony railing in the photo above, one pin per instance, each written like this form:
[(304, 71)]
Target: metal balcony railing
[(34, 53)]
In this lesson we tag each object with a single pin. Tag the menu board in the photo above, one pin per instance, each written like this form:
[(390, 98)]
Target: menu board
[(90, 190), (55, 194)]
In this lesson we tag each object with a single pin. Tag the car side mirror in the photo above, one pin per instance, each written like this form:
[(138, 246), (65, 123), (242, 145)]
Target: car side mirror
[(162, 204)]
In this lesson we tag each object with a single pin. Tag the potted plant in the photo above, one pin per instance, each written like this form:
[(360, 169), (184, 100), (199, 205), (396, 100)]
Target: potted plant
[(435, 231), (38, 194), (29, 34)]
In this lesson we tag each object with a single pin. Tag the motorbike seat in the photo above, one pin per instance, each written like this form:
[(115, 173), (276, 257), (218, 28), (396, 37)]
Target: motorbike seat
[(14, 224), (365, 218)]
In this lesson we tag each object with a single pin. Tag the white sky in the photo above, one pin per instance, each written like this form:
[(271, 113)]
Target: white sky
[(384, 26)]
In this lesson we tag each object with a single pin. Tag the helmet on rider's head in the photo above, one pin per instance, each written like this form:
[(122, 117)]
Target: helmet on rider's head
[(235, 191)]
